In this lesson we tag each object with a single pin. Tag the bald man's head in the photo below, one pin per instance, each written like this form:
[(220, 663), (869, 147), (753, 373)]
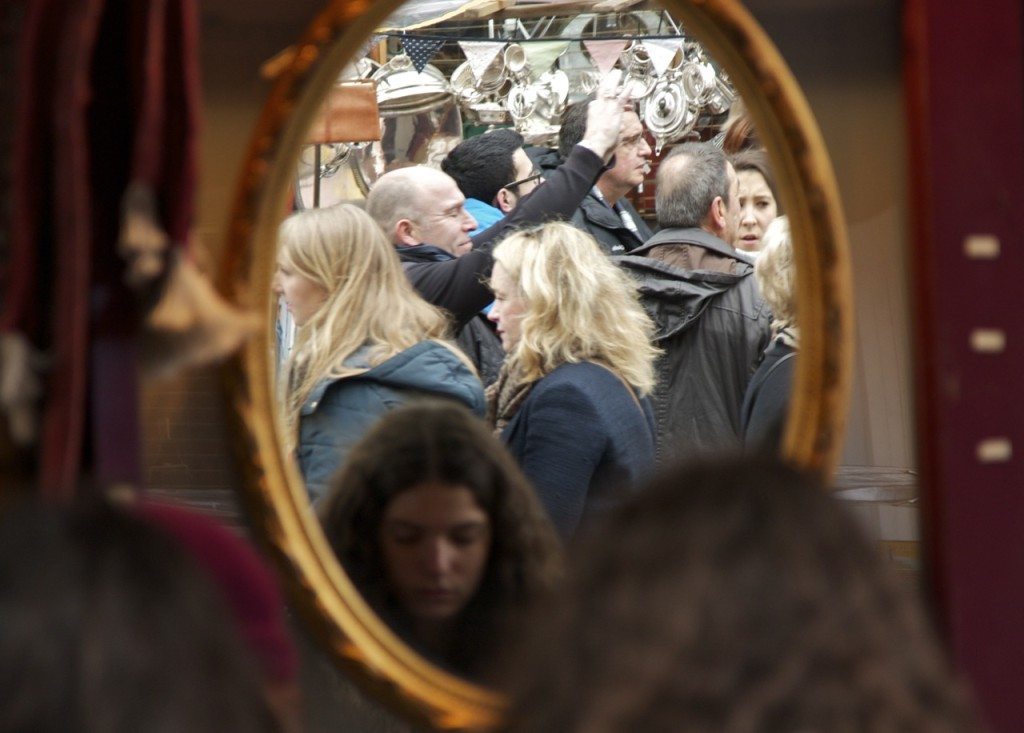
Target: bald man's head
[(421, 205)]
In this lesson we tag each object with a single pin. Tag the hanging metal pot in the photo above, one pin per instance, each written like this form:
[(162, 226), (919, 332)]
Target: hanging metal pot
[(639, 75), (669, 113), (401, 90)]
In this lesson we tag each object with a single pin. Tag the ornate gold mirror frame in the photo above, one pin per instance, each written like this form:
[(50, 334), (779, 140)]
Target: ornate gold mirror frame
[(274, 496)]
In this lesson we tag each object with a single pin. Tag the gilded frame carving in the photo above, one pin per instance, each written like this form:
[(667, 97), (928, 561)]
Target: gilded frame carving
[(274, 496)]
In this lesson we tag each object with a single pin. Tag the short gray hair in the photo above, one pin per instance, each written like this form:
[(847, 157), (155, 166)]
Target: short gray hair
[(689, 180)]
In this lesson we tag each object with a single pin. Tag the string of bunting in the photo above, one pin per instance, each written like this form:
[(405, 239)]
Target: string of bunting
[(540, 53), (421, 50), (525, 41)]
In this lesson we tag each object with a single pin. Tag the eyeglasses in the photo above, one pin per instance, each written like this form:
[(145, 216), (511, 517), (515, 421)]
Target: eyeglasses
[(534, 176), (633, 142)]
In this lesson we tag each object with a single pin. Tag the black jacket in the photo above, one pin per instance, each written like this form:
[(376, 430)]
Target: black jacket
[(713, 326), (459, 285), (583, 440), (766, 403), (605, 225), (476, 338), (481, 344)]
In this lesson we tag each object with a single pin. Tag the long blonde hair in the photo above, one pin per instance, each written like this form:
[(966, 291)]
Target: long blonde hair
[(579, 306), (369, 298)]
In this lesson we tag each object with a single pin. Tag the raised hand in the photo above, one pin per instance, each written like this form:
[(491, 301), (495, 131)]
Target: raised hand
[(604, 115)]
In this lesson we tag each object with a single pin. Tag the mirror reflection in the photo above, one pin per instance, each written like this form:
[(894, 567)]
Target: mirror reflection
[(364, 341), (442, 533), (579, 207)]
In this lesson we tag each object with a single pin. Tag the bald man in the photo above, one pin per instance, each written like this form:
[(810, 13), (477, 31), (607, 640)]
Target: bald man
[(423, 213), (421, 205)]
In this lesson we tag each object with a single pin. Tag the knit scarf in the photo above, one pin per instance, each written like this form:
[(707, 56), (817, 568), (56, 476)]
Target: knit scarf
[(789, 336), (506, 395)]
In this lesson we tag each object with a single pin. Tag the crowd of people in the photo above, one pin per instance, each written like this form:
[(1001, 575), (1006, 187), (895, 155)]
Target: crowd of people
[(521, 283), (522, 414), (605, 348)]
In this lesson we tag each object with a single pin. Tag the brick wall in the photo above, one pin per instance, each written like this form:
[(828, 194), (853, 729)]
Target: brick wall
[(185, 445)]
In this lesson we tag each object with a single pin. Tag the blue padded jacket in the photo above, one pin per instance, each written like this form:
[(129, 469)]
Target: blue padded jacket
[(338, 412)]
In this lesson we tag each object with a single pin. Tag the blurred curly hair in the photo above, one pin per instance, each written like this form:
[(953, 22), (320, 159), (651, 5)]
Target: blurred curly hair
[(733, 598)]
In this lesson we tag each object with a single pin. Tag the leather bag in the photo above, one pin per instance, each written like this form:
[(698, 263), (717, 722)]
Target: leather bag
[(349, 115)]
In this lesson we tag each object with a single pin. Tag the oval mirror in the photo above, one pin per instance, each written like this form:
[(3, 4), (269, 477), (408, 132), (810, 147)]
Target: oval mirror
[(273, 182)]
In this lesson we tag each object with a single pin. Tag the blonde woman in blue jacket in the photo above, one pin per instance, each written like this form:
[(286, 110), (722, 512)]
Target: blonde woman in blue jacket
[(365, 341), (571, 401)]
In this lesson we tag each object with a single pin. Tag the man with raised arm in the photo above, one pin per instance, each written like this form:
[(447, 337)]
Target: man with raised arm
[(605, 212), (493, 172), (423, 213)]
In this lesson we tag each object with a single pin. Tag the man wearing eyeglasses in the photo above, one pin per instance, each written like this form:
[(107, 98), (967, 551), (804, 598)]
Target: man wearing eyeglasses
[(493, 172), (423, 213), (606, 212)]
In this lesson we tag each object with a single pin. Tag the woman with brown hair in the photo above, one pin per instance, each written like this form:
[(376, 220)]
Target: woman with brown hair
[(738, 132), (441, 533), (758, 198), (735, 596)]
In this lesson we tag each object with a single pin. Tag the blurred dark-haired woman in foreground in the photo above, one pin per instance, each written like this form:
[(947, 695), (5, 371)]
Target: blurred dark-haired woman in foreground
[(734, 597), (108, 625)]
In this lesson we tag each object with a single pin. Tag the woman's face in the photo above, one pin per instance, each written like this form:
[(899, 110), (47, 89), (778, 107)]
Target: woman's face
[(508, 309), (757, 210), (302, 296), (435, 539)]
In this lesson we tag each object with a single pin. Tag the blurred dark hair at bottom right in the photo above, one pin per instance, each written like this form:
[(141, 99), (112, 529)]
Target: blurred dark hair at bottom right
[(734, 595)]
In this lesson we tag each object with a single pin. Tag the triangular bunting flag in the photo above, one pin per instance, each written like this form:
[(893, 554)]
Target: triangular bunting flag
[(605, 53), (480, 54), (540, 55), (421, 50), (661, 51)]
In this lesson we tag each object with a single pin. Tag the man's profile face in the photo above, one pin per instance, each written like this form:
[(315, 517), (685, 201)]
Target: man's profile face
[(443, 220), (526, 178), (632, 155)]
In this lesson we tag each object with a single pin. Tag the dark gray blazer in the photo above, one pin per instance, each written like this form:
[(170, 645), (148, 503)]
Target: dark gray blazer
[(583, 441)]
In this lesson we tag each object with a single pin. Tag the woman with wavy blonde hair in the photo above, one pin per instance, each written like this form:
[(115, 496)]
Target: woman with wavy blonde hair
[(766, 402), (366, 342), (571, 402)]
